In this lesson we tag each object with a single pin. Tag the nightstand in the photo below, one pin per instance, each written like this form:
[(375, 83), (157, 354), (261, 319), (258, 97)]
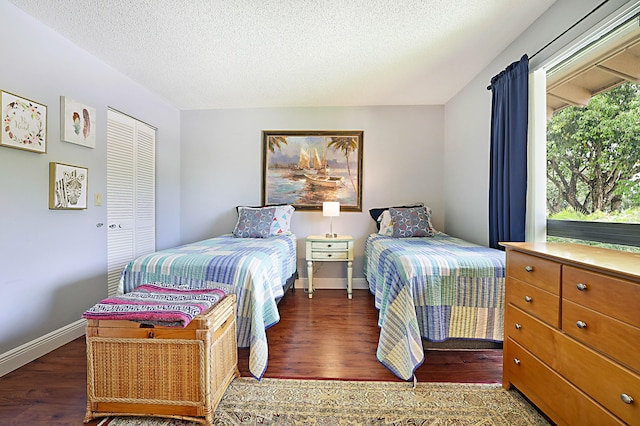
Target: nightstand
[(327, 249)]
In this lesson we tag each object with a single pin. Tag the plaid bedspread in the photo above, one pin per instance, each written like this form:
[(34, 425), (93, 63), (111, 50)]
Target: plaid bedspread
[(255, 269), (436, 288)]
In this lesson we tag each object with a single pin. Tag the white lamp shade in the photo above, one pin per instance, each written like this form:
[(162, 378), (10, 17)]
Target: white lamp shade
[(331, 208)]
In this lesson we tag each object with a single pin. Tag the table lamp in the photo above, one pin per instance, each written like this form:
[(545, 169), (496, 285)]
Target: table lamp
[(331, 209)]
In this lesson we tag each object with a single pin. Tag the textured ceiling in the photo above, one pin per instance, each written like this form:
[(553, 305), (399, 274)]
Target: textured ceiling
[(202, 54)]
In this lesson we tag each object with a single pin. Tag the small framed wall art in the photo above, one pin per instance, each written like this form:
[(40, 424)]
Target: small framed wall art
[(78, 122), (67, 187), (24, 123)]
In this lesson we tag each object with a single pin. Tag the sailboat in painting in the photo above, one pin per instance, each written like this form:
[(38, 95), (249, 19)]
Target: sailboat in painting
[(325, 180), (304, 164), (309, 163), (305, 160), (321, 176), (313, 167)]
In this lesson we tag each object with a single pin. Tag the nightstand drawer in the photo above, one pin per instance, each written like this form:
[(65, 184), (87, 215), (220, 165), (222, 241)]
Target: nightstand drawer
[(332, 245), (329, 255)]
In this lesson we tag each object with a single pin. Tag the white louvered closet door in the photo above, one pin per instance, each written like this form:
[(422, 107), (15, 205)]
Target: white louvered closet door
[(130, 193)]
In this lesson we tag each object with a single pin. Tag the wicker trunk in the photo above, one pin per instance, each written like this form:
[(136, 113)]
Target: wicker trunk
[(141, 370)]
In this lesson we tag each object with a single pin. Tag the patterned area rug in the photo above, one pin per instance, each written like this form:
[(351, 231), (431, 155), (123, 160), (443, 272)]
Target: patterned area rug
[(328, 402)]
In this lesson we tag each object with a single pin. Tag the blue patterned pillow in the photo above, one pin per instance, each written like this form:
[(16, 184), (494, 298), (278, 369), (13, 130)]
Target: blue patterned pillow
[(411, 222), (376, 213), (254, 223)]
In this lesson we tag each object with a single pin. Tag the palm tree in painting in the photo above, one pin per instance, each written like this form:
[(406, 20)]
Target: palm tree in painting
[(276, 142), (346, 144)]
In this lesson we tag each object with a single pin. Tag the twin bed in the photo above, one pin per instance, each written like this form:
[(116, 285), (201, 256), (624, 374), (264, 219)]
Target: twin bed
[(429, 285), (257, 262)]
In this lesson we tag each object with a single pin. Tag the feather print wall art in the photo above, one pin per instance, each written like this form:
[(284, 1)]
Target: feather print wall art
[(78, 122)]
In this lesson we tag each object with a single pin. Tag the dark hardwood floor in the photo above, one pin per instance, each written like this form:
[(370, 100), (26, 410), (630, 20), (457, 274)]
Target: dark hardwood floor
[(327, 337)]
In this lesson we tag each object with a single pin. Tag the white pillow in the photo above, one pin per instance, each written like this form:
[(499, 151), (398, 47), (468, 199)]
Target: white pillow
[(281, 224), (386, 226)]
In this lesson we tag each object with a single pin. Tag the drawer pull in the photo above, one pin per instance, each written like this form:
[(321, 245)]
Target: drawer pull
[(518, 326), (329, 255), (150, 335), (528, 299), (516, 361), (581, 324), (329, 245), (581, 287), (627, 399), (528, 268)]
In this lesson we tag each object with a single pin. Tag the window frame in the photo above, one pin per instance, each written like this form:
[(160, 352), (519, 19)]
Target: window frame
[(539, 226)]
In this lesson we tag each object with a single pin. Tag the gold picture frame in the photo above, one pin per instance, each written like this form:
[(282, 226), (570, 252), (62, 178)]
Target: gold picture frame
[(24, 123), (304, 168), (68, 187), (77, 122)]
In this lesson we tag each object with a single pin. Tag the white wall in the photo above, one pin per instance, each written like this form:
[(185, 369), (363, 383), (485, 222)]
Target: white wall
[(222, 160), (467, 125), (53, 264)]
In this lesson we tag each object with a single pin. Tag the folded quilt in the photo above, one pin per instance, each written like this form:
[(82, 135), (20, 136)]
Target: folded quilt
[(157, 304)]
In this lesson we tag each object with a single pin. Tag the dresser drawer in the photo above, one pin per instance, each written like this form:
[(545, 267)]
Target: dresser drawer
[(533, 300), (610, 336), (534, 270), (329, 255), (614, 297), (330, 245), (563, 402), (600, 378), (529, 332)]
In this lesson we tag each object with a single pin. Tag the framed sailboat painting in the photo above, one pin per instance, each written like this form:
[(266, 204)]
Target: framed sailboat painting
[(306, 168)]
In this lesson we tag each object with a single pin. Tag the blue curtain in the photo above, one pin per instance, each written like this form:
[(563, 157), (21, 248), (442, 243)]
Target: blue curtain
[(508, 164)]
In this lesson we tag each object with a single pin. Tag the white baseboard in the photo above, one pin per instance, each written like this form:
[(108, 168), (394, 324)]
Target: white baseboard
[(332, 283), (34, 349)]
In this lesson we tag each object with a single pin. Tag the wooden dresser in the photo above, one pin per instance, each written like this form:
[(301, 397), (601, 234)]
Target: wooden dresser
[(572, 331)]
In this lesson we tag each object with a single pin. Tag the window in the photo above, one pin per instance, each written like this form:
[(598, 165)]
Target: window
[(593, 142)]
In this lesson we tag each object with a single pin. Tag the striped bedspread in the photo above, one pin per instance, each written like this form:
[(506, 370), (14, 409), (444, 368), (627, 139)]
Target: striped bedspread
[(157, 304), (435, 288), (255, 269)]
